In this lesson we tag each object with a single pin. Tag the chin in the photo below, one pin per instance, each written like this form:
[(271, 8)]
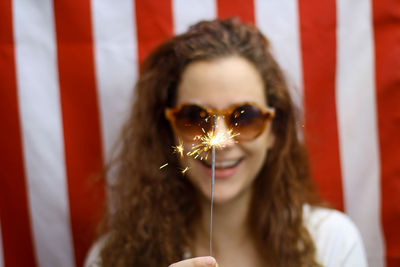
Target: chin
[(224, 193), (220, 199)]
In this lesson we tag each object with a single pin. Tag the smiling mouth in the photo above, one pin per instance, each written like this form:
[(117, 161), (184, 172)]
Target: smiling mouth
[(226, 164)]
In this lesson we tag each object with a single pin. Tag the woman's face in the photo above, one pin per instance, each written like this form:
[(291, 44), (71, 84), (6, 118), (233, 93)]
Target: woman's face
[(218, 84)]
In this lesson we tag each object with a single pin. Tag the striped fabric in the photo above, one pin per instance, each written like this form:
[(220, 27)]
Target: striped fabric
[(67, 69)]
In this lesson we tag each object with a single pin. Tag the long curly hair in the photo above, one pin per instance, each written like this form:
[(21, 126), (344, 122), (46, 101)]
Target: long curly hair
[(152, 210)]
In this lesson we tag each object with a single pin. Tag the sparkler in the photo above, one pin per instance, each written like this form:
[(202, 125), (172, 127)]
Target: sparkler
[(214, 143), (209, 141)]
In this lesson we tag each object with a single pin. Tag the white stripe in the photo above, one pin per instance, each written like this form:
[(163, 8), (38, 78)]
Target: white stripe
[(357, 123), (188, 12), (115, 63), (1, 249), (42, 134), (278, 20)]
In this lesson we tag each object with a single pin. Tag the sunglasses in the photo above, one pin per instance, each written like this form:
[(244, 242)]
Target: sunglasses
[(246, 120)]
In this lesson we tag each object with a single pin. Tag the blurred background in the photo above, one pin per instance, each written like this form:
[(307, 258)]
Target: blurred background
[(67, 72)]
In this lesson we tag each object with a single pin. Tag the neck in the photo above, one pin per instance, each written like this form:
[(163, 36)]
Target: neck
[(230, 227)]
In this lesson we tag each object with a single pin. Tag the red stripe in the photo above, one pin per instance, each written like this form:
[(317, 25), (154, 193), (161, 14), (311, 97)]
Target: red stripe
[(14, 212), (318, 45), (80, 115), (154, 24), (244, 9), (386, 15)]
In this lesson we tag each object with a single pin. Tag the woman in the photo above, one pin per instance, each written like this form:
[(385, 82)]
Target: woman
[(266, 212)]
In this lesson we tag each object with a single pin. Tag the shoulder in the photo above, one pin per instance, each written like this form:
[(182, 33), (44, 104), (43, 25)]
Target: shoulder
[(93, 258), (337, 239)]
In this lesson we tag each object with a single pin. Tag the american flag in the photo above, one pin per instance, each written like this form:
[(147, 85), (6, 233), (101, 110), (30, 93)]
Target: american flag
[(67, 71)]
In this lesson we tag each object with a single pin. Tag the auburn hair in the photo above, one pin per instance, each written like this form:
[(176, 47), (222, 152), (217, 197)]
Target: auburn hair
[(152, 210)]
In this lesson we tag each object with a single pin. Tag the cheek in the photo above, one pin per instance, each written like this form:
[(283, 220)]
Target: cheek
[(261, 143), (257, 151), (258, 156)]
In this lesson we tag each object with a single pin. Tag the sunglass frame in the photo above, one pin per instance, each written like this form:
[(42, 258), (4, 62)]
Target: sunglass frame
[(268, 113)]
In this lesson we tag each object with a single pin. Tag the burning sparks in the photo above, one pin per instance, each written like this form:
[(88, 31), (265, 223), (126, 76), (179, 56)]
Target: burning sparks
[(163, 166), (179, 149), (220, 139), (204, 144), (185, 170)]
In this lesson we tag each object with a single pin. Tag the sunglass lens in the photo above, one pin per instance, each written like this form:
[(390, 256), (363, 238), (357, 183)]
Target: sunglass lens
[(248, 121), (191, 120)]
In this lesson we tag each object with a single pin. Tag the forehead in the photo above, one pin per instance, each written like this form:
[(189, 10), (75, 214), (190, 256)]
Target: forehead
[(220, 83)]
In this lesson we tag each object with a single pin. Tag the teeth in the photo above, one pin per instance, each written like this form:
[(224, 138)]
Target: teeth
[(226, 164), (223, 164)]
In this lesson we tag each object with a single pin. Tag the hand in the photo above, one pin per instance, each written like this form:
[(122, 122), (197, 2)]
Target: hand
[(197, 262)]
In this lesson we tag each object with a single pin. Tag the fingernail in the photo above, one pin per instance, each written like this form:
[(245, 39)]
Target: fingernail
[(210, 261)]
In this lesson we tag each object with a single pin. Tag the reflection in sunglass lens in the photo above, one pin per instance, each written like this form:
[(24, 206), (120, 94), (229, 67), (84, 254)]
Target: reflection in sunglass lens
[(248, 121), (191, 119)]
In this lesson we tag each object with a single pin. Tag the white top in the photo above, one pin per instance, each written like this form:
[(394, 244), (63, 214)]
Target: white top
[(337, 240)]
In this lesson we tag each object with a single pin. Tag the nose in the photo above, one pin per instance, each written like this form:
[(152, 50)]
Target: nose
[(220, 124), (223, 133)]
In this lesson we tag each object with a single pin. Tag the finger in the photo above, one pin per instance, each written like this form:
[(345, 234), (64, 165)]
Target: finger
[(196, 262)]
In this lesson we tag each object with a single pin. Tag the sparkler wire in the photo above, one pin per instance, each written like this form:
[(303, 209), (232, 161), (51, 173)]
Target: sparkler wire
[(212, 184)]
